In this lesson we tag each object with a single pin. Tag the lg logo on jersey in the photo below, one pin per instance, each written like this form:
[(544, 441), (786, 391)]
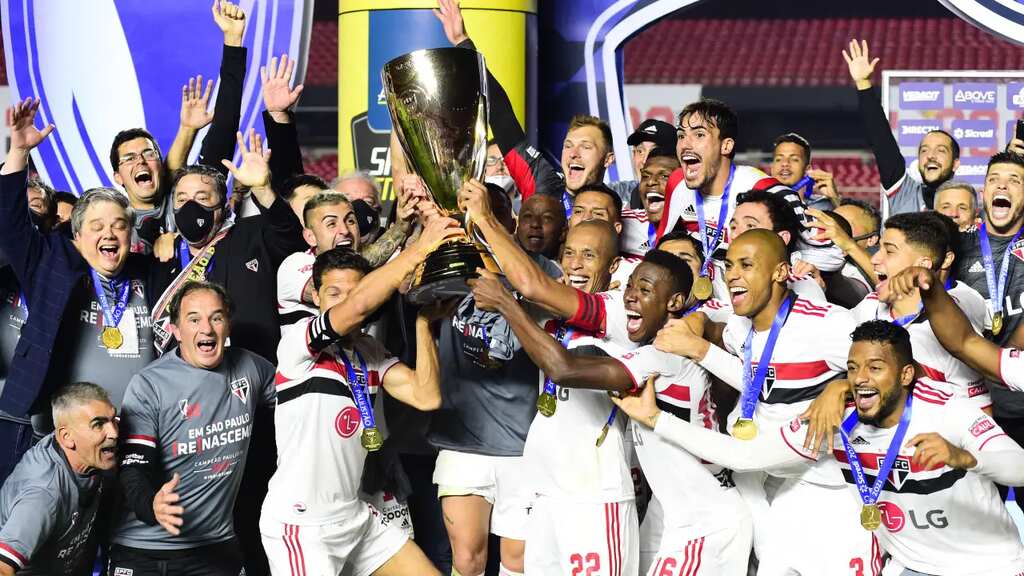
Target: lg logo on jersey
[(895, 520), (347, 422)]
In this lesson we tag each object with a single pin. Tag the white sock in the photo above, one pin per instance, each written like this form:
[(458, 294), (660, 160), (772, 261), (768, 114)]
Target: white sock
[(502, 571)]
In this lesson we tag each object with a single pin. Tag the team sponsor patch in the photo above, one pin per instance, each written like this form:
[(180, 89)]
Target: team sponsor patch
[(240, 389), (976, 390), (892, 516), (123, 571), (859, 441), (299, 507), (347, 422), (188, 411), (982, 425), (795, 424)]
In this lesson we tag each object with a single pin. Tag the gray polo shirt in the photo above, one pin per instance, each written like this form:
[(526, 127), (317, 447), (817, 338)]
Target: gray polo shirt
[(200, 422), (47, 512)]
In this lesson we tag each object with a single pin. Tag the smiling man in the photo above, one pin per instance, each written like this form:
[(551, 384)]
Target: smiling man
[(780, 350), (187, 421), (582, 499), (936, 512), (85, 296), (958, 200), (541, 225), (49, 505)]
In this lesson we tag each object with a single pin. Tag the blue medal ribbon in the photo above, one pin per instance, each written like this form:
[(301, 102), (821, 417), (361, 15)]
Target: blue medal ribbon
[(185, 257), (752, 383), (869, 494), (23, 302), (563, 336), (723, 210), (807, 185), (909, 318), (360, 391), (652, 233), (111, 314), (567, 204), (995, 289)]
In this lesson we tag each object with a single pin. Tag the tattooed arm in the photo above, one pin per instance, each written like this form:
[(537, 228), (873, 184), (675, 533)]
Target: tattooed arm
[(391, 240)]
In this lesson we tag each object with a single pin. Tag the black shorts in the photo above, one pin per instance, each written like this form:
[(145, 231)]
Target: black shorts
[(221, 559)]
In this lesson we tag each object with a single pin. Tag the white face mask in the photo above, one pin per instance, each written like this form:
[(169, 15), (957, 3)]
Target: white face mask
[(505, 182)]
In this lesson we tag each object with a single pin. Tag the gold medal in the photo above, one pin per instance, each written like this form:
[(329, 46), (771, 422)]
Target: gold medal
[(702, 288), (546, 404), (602, 435), (371, 439), (112, 338), (744, 429), (997, 323), (870, 517)]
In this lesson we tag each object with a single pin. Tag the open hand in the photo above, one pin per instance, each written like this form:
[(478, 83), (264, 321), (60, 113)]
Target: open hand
[(276, 78), (195, 103), (450, 15), (255, 169), (860, 63), (20, 119)]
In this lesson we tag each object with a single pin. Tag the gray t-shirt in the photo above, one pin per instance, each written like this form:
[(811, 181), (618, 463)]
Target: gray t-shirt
[(81, 356), (907, 195), (488, 383), (200, 422), (971, 271), (47, 512)]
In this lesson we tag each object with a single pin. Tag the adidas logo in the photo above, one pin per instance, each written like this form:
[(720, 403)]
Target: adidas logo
[(977, 268), (859, 441)]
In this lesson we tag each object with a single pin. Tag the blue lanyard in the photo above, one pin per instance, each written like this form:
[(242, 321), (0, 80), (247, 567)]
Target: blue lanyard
[(723, 210), (869, 494), (567, 202), (752, 383), (23, 302), (805, 183), (564, 336), (652, 234), (995, 290), (111, 315), (360, 390), (185, 257)]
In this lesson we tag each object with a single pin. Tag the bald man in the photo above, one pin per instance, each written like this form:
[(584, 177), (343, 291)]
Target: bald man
[(805, 346)]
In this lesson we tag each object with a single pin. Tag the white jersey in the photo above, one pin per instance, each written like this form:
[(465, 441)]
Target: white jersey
[(627, 264), (637, 236), (692, 493), (681, 205), (561, 455), (1011, 368), (294, 274), (935, 361), (319, 455), (935, 520), (811, 350)]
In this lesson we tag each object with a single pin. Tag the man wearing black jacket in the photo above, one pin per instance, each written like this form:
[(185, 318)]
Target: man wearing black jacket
[(938, 154)]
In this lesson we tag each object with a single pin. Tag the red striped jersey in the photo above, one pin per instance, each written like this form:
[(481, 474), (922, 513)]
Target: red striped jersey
[(561, 452), (319, 456), (935, 519), (691, 493), (935, 361), (811, 350)]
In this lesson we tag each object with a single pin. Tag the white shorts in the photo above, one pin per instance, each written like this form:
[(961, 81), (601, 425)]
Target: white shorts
[(498, 479), (650, 534), (358, 544), (840, 544), (723, 552), (582, 538)]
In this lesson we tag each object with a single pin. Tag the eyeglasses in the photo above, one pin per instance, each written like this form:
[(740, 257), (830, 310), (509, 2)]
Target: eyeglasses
[(147, 155), (494, 161)]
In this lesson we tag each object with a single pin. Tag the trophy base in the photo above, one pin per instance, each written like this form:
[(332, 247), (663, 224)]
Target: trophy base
[(444, 273)]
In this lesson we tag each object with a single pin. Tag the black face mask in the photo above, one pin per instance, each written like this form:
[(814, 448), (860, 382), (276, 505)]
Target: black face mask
[(195, 221)]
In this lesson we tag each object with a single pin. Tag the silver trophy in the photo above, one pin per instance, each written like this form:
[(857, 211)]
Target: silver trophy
[(438, 104)]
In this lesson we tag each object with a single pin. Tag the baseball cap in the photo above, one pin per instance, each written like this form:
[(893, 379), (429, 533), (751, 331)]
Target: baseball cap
[(658, 131), (369, 220)]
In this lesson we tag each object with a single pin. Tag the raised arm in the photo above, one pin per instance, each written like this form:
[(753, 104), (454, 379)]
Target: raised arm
[(891, 166), (219, 142), (279, 99), (950, 326), (844, 242), (194, 117), (377, 286), (522, 272), (421, 388), (679, 337), (766, 451), (565, 369)]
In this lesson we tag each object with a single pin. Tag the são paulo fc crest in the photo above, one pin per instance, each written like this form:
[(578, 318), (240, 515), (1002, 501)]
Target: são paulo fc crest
[(1018, 250), (900, 471), (240, 389)]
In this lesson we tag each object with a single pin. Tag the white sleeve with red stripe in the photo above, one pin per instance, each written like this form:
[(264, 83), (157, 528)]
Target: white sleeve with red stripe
[(140, 413), (294, 356), (1000, 459), (292, 277), (29, 524)]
